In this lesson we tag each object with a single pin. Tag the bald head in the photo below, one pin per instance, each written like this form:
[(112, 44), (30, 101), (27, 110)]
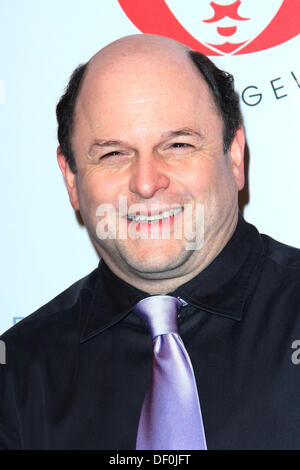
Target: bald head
[(147, 45), (143, 60), (140, 60)]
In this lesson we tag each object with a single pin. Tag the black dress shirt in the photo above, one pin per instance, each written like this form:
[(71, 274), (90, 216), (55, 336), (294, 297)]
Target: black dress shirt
[(77, 369)]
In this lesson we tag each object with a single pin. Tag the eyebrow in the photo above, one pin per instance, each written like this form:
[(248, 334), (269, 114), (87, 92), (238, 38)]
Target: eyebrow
[(107, 143), (185, 131)]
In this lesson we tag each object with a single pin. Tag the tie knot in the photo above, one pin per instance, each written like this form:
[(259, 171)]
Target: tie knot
[(159, 312)]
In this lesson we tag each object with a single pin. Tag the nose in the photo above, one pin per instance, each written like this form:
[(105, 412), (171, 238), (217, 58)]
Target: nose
[(148, 177)]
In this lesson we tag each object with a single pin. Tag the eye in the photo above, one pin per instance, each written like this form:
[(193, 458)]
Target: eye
[(110, 154), (180, 145)]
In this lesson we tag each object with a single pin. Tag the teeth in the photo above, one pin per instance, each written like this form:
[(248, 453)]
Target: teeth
[(153, 218)]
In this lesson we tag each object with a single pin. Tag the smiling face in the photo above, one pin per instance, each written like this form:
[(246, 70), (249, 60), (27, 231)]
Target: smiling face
[(147, 130)]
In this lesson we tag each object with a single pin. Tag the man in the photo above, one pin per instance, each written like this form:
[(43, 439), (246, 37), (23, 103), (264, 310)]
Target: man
[(152, 133)]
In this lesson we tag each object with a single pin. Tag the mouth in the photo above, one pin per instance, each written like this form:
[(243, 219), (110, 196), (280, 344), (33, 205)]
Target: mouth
[(156, 218)]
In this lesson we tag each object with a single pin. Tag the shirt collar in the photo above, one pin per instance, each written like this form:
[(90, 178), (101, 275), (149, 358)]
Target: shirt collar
[(222, 288)]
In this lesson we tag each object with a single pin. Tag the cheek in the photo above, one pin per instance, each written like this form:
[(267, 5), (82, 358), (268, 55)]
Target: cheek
[(210, 181), (96, 188), (225, 191), (200, 176)]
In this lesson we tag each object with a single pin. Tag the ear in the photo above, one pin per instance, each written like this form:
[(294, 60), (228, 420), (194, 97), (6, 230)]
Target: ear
[(236, 152), (69, 177)]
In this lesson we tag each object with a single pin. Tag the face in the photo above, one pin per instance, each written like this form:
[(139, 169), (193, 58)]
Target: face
[(153, 138)]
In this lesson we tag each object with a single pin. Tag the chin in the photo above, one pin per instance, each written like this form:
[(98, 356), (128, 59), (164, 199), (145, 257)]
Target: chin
[(155, 259)]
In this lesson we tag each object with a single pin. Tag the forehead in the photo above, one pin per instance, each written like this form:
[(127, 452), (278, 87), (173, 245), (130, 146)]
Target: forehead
[(142, 90)]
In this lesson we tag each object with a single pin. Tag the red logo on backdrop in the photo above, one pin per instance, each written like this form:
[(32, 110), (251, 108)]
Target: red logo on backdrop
[(218, 27)]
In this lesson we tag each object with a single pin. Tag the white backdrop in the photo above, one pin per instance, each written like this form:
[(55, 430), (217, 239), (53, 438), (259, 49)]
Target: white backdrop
[(44, 249)]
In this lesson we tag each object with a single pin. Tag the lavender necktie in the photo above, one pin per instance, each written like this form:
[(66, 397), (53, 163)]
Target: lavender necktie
[(171, 415)]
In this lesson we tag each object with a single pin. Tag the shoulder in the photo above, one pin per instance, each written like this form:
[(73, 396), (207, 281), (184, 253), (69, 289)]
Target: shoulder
[(61, 310), (285, 256), (280, 275)]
